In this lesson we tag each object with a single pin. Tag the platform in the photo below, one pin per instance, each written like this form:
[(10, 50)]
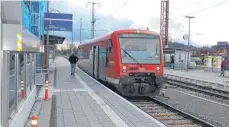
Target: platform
[(82, 101), (199, 77)]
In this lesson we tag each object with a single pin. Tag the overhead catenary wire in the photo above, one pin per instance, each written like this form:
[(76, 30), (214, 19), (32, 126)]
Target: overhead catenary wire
[(188, 5), (200, 10), (122, 5), (219, 4)]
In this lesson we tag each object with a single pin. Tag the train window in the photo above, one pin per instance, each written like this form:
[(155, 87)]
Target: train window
[(144, 50), (106, 64), (110, 46)]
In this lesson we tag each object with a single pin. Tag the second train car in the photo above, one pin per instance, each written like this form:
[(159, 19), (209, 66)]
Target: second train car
[(130, 60)]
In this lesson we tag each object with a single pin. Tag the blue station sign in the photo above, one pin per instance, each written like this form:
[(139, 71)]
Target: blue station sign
[(58, 22), (222, 44)]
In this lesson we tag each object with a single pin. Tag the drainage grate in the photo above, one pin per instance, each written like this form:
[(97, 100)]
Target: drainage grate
[(52, 121)]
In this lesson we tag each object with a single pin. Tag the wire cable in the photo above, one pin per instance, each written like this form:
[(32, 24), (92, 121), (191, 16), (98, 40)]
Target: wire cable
[(188, 5), (122, 5), (204, 9), (208, 7)]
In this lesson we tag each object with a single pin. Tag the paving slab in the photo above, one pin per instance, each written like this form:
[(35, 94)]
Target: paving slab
[(95, 105), (81, 101), (42, 108), (200, 77)]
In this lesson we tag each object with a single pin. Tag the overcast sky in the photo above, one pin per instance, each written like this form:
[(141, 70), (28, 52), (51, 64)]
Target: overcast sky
[(207, 28)]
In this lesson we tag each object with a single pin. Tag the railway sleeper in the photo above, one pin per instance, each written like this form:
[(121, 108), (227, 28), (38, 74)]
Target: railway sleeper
[(172, 118), (175, 123), (163, 114), (202, 90), (147, 105)]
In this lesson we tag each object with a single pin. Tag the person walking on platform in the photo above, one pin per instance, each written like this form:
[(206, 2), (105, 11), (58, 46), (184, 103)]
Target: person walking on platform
[(223, 66), (73, 60), (172, 62)]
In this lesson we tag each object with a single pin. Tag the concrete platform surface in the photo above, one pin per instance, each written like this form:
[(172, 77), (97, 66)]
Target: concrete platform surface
[(209, 110), (42, 108), (200, 77), (81, 101)]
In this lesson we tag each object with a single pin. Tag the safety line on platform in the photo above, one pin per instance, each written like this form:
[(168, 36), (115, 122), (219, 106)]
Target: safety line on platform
[(106, 108), (70, 90)]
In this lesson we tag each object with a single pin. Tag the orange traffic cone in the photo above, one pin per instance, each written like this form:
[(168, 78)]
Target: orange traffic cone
[(34, 121), (22, 89), (46, 90)]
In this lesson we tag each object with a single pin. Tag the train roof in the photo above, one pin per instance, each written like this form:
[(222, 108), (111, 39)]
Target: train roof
[(97, 38), (116, 31)]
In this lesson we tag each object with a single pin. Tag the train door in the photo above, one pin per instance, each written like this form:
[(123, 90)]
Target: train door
[(96, 62), (102, 62)]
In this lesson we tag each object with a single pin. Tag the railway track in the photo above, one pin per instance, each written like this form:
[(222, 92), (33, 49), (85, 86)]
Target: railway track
[(167, 114), (201, 89)]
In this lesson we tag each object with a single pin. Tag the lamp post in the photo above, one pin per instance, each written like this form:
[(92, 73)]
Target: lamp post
[(189, 17)]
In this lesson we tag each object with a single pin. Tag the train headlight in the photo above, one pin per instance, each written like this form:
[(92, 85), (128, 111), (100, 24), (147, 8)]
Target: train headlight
[(158, 68), (124, 69)]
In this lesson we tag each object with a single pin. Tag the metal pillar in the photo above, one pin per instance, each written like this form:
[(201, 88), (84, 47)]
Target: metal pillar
[(30, 71), (43, 35), (72, 38), (164, 22), (93, 20), (4, 59), (46, 48), (80, 29), (25, 73), (189, 17), (35, 68), (1, 72), (17, 65), (47, 51)]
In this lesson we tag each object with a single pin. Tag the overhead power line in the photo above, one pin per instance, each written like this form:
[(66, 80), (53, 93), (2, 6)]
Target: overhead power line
[(122, 5), (89, 30), (203, 9), (93, 20), (188, 5), (208, 7)]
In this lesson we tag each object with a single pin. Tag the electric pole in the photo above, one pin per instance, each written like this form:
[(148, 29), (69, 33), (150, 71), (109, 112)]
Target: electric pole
[(164, 22), (189, 17), (80, 28), (93, 20)]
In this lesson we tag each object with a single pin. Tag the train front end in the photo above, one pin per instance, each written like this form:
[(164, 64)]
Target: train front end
[(141, 64)]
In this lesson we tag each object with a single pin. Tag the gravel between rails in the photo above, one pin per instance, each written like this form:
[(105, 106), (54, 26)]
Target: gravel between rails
[(167, 114), (209, 93)]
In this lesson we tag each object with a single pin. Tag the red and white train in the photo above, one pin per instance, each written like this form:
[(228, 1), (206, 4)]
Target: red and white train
[(130, 60)]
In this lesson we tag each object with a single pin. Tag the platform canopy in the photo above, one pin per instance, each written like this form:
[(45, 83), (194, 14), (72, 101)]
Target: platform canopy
[(53, 39)]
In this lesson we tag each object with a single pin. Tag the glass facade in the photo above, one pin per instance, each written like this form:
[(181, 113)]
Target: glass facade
[(22, 68), (32, 15)]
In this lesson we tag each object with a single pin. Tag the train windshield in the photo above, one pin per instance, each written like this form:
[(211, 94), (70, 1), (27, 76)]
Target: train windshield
[(145, 49)]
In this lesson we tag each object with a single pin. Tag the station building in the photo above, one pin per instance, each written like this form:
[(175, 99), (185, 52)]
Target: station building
[(21, 28)]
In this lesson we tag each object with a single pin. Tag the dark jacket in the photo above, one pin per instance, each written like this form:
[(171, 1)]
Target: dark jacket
[(172, 60), (73, 59)]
